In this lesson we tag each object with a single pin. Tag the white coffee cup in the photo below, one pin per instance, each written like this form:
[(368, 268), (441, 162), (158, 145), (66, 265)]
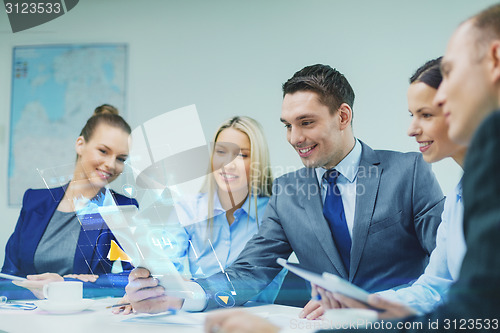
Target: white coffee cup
[(63, 292)]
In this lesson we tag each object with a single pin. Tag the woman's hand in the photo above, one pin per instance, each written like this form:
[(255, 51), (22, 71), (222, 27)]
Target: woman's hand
[(321, 300), (36, 282), (387, 309), (312, 310), (83, 277), (328, 300)]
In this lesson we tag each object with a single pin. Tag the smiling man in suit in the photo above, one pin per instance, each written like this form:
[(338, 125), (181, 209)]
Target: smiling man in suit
[(369, 216), (470, 97)]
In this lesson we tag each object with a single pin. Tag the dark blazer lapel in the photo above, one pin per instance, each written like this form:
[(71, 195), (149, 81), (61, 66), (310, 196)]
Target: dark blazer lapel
[(86, 246), (368, 180), (47, 206), (28, 249), (88, 253), (313, 206), (42, 213)]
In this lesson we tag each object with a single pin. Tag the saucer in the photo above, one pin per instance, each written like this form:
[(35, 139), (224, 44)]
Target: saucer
[(65, 308)]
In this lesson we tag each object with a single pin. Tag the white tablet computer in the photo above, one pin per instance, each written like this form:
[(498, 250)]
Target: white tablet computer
[(328, 281), (146, 245)]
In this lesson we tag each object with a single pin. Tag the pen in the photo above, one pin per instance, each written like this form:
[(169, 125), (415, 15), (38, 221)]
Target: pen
[(172, 310), (11, 277), (117, 305)]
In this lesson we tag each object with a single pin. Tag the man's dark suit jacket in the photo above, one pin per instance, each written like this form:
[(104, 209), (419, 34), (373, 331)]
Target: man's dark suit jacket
[(474, 300)]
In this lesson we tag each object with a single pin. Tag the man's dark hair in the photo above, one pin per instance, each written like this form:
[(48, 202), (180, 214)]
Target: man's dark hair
[(429, 73), (331, 86)]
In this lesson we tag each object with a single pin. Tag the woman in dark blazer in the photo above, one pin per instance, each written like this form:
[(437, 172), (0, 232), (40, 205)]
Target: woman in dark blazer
[(52, 239)]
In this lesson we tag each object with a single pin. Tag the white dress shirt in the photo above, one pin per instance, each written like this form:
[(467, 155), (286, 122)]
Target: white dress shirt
[(346, 182), (431, 288)]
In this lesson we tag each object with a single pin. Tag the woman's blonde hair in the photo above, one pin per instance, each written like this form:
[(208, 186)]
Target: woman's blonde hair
[(260, 180)]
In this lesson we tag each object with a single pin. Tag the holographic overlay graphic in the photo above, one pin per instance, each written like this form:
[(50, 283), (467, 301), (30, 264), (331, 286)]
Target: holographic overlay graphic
[(57, 176), (170, 151), (148, 243), (170, 161), (116, 253), (224, 299), (129, 190), (170, 157), (163, 137)]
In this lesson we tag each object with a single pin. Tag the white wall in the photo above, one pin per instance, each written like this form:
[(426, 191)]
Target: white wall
[(231, 57)]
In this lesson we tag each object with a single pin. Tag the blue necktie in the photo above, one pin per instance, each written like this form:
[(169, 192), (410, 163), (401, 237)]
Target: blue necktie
[(333, 210)]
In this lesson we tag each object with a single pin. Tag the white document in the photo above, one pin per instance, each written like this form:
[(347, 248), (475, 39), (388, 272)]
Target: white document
[(180, 318)]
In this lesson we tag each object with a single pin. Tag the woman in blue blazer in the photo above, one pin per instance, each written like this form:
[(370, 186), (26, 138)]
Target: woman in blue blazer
[(51, 239)]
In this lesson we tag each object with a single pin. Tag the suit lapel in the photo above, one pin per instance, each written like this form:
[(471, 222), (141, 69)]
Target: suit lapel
[(29, 247), (43, 213), (313, 206), (87, 245), (91, 247), (368, 180)]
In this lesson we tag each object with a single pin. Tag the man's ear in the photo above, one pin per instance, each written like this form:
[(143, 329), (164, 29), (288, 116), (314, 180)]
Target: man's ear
[(80, 143), (345, 114), (495, 57)]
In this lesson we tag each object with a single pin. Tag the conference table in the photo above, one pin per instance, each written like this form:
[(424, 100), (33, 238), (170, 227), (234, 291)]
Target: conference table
[(98, 318)]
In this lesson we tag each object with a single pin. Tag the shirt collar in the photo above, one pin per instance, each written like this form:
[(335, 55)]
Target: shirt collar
[(348, 167), (219, 210), (217, 205), (458, 190)]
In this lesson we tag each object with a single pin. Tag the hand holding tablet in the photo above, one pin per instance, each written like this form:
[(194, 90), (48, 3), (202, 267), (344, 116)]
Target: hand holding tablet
[(328, 281), (142, 242), (353, 294)]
